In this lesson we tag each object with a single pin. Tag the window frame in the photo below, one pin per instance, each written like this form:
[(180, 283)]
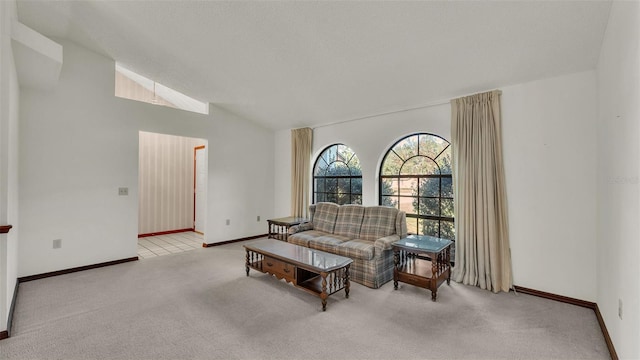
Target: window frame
[(337, 178), (419, 179)]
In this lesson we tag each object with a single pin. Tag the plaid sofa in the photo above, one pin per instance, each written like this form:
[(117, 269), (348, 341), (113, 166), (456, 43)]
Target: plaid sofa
[(362, 233)]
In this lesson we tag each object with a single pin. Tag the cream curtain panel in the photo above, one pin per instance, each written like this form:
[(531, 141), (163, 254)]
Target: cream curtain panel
[(483, 256), (301, 141)]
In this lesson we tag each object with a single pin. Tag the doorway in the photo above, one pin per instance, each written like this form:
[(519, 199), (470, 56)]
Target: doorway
[(172, 183)]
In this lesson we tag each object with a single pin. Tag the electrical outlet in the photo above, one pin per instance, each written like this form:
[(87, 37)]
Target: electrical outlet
[(123, 191), (57, 243), (620, 308), (228, 221), (258, 218)]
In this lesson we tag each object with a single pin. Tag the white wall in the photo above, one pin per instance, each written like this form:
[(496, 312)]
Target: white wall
[(618, 168), (549, 136), (9, 99), (282, 174), (166, 182), (79, 144)]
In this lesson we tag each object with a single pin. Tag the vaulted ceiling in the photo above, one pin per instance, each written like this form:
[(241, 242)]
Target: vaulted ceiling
[(288, 64)]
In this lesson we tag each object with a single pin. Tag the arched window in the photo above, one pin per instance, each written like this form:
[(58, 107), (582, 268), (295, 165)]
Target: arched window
[(415, 176), (337, 176)]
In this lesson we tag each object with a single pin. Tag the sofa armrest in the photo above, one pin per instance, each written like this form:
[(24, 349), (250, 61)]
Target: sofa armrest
[(300, 227), (384, 243)]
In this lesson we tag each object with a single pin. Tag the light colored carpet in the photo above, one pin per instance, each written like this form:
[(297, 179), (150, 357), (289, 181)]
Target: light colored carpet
[(200, 305)]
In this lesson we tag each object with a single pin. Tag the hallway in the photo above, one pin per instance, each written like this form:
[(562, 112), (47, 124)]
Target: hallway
[(153, 246)]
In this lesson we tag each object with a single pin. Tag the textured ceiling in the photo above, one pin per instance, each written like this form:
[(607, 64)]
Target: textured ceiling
[(290, 64)]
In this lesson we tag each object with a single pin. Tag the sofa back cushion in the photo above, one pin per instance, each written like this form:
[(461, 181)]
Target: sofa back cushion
[(324, 217), (378, 222), (349, 221)]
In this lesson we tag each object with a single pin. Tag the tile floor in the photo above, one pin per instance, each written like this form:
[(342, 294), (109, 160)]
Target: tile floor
[(153, 246)]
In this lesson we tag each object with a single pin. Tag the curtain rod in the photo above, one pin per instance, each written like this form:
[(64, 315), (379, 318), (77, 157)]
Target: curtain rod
[(436, 103)]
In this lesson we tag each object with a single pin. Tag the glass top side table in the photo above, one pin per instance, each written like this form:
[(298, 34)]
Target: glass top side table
[(423, 261)]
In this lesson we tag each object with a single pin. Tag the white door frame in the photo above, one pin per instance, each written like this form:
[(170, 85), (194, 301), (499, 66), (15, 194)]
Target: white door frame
[(195, 188)]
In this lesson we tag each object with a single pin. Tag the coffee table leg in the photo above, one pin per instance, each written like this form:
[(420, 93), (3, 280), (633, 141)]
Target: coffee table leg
[(347, 284), (323, 294)]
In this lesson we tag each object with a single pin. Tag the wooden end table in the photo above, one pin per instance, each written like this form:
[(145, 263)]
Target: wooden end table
[(423, 261), (279, 228)]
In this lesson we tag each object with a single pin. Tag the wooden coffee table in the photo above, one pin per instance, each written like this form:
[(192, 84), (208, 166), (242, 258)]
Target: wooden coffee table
[(316, 272)]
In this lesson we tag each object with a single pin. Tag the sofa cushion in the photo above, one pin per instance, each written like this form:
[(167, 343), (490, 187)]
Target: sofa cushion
[(356, 249), (302, 238), (378, 222), (327, 243), (325, 215), (349, 221)]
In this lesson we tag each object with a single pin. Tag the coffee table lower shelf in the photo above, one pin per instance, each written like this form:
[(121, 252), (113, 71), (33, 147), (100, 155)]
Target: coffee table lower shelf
[(419, 272)]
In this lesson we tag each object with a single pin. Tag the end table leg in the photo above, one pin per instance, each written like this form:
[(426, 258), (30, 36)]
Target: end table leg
[(434, 275), (246, 266), (396, 262), (447, 263)]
